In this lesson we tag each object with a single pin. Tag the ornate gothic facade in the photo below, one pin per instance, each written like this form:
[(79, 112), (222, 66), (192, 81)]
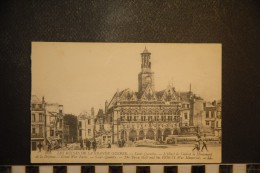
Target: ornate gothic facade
[(150, 114)]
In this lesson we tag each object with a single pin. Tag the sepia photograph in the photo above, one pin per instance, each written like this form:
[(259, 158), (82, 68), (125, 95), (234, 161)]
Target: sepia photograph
[(126, 102)]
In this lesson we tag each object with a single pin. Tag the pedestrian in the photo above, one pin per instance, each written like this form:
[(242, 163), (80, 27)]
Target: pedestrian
[(119, 143), (88, 144), (81, 144), (204, 143), (49, 147), (40, 146), (94, 145), (196, 145), (109, 145)]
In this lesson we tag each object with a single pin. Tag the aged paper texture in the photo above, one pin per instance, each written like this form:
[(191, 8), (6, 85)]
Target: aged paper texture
[(126, 103)]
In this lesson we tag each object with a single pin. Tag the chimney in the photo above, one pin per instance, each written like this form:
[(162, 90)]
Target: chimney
[(106, 104), (61, 109)]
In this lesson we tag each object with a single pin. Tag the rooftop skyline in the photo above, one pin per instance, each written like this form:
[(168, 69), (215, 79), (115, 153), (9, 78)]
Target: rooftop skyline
[(84, 75)]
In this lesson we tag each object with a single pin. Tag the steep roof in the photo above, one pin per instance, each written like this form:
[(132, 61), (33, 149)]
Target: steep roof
[(84, 115), (159, 94), (35, 99), (100, 113), (168, 94)]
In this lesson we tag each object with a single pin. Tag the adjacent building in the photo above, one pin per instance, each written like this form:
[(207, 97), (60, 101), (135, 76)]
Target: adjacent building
[(218, 124), (208, 120), (46, 122), (54, 123), (37, 122), (86, 125), (103, 130)]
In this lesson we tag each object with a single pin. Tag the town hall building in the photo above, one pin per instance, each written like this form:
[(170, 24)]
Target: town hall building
[(150, 114)]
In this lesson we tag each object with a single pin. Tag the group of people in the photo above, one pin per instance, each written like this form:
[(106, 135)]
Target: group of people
[(40, 146), (121, 143), (88, 144), (199, 141)]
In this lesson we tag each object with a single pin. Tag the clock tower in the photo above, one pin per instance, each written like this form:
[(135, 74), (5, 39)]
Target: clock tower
[(146, 76)]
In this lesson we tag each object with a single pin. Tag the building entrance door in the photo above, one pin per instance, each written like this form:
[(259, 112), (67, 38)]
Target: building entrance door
[(132, 135), (166, 133), (175, 132), (150, 134), (141, 135)]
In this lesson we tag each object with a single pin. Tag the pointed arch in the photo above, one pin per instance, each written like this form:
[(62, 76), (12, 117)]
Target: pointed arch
[(166, 133), (132, 135), (150, 134)]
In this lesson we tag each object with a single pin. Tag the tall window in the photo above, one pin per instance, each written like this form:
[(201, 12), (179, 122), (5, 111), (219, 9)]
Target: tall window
[(33, 130), (80, 133), (33, 117), (164, 118), (212, 114), (40, 117), (89, 132), (185, 116), (80, 124), (88, 121), (212, 123), (207, 114), (40, 130)]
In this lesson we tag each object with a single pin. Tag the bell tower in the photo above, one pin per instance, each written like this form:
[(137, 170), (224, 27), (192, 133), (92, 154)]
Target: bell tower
[(146, 76)]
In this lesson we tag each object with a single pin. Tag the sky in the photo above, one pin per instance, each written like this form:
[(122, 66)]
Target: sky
[(84, 75)]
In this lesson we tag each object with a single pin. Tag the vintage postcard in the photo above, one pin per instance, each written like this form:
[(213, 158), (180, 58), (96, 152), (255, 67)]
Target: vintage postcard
[(126, 103)]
